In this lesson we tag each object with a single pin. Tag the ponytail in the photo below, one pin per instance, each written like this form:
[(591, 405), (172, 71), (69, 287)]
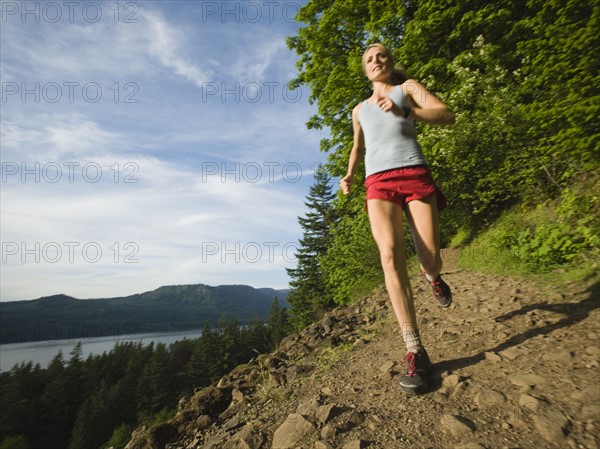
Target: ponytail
[(398, 75)]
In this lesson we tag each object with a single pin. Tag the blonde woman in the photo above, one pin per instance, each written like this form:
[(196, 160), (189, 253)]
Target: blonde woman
[(398, 181)]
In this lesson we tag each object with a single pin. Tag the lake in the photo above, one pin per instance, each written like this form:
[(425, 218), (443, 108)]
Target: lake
[(43, 352)]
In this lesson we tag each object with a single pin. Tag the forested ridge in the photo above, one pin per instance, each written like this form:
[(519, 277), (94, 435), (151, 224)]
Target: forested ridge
[(97, 402), (168, 308)]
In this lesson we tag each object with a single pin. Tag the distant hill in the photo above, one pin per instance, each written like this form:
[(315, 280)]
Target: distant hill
[(175, 307)]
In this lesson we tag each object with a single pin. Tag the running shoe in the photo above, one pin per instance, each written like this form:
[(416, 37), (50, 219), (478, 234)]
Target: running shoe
[(416, 367), (441, 291)]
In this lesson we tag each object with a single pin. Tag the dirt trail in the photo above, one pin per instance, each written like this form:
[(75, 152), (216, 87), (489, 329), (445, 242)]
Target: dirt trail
[(516, 365)]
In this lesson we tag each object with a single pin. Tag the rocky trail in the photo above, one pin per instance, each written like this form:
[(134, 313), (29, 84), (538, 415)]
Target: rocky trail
[(516, 365)]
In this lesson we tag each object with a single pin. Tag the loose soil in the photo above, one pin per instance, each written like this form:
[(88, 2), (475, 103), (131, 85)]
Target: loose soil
[(516, 365)]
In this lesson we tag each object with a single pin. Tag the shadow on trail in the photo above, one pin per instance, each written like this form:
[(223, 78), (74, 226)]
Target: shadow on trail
[(574, 312)]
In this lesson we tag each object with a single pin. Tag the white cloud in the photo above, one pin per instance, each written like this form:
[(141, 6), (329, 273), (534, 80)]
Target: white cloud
[(165, 42), (189, 225)]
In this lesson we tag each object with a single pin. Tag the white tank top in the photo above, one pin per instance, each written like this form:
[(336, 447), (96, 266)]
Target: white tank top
[(390, 140)]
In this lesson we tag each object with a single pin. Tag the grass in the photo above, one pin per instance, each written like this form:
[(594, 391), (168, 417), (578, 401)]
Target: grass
[(488, 252)]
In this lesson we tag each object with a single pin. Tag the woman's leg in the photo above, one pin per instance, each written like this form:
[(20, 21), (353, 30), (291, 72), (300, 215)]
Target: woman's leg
[(422, 216), (386, 225)]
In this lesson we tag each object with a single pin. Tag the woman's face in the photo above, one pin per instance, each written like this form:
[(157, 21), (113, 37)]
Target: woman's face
[(378, 64)]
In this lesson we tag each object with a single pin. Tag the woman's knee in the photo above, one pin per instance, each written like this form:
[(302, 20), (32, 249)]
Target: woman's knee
[(391, 259)]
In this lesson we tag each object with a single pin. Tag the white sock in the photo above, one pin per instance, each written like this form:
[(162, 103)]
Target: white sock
[(412, 340), (431, 278)]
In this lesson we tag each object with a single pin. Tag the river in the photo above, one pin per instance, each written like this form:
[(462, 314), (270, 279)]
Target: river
[(43, 352)]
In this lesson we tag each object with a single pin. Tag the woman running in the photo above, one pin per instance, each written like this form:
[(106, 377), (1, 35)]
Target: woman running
[(398, 180)]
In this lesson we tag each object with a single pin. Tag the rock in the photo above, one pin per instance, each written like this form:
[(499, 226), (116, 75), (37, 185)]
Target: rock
[(527, 380), (458, 391), (387, 366), (138, 438), (487, 397), (322, 445), (215, 441), (293, 430), (326, 391), (562, 356), (355, 444), (492, 356), (325, 413), (232, 423), (593, 350), (210, 401), (355, 419), (551, 424), (237, 395), (202, 422), (245, 439), (451, 381), (233, 409), (327, 324), (529, 405), (308, 408), (456, 425), (510, 353), (328, 432), (162, 434)]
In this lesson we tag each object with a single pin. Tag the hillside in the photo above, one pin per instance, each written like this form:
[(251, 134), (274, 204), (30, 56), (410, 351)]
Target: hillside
[(176, 307), (516, 366)]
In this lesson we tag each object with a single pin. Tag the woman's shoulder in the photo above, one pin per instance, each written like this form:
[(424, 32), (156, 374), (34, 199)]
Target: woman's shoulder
[(358, 107), (410, 86)]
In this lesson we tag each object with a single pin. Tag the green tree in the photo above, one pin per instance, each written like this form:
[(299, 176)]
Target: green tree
[(20, 404), (560, 79), (57, 395), (521, 77), (310, 295), (155, 386), (15, 442), (97, 418), (278, 324)]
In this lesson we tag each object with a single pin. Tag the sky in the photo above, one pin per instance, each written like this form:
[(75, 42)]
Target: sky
[(150, 143)]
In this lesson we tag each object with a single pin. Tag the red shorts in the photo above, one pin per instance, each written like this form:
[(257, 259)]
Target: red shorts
[(403, 185)]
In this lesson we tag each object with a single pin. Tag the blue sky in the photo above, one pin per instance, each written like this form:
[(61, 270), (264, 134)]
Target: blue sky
[(150, 143)]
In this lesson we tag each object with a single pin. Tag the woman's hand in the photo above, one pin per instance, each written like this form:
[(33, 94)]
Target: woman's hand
[(387, 105), (345, 183)]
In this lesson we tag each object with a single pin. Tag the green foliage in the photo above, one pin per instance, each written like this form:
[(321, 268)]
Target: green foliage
[(310, 295), (15, 442), (120, 437), (573, 229), (564, 232), (522, 79), (352, 261), (560, 78), (279, 325)]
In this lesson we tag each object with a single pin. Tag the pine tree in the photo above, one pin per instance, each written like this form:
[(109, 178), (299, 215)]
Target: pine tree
[(310, 296), (278, 323)]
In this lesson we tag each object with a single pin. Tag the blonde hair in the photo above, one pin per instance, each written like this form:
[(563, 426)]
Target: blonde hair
[(399, 74)]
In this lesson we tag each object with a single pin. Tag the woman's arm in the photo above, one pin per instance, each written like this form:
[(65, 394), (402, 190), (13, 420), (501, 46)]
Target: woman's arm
[(429, 108), (357, 152)]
